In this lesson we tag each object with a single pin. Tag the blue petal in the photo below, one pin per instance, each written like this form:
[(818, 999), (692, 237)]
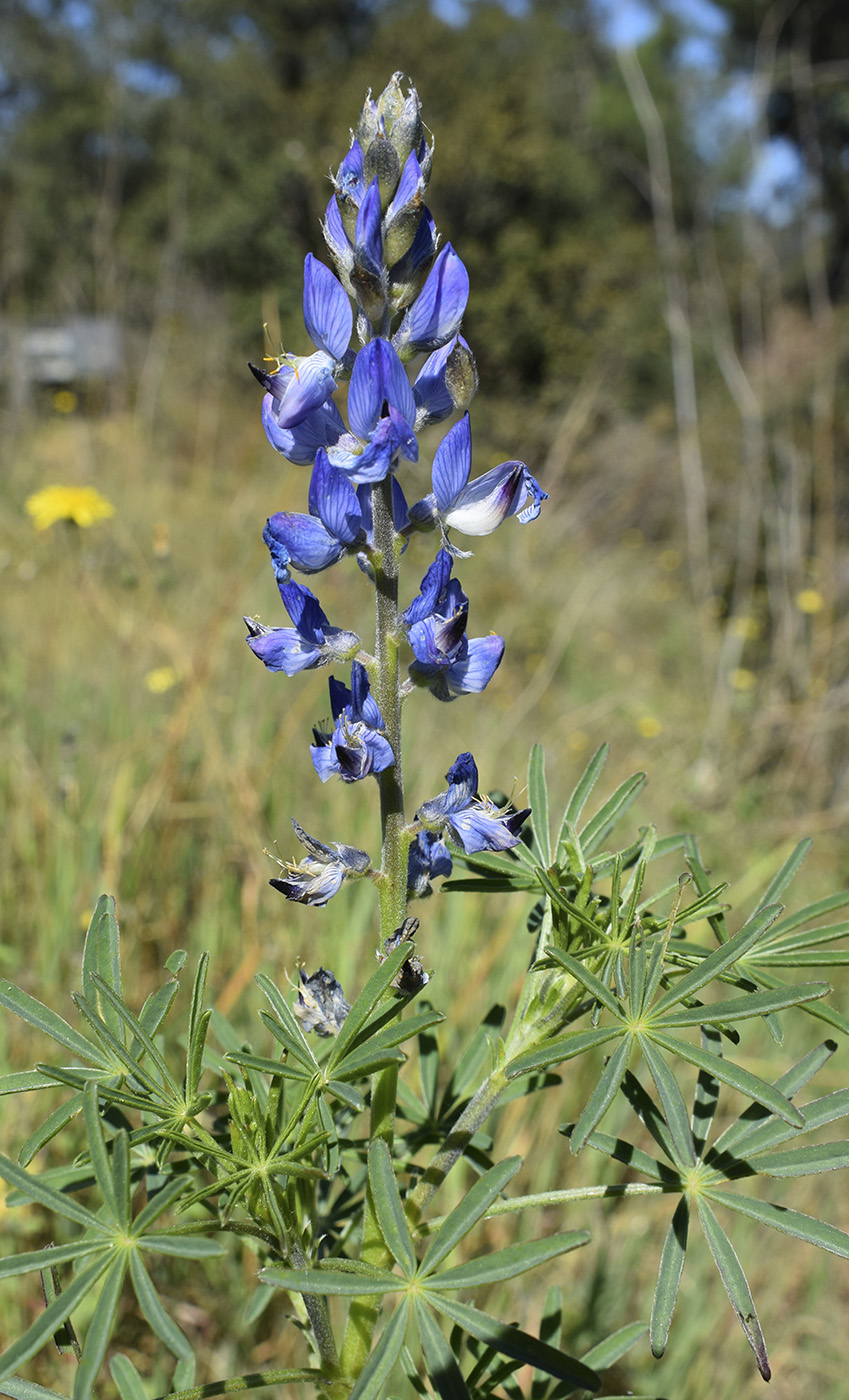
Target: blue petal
[(300, 443), (349, 176), (328, 316), (378, 377), (309, 388), (432, 587), (283, 649), (430, 390), (368, 239), (478, 828), (335, 236), (310, 883), (333, 499), (437, 312), (305, 611), (304, 542), (410, 186), (473, 673), (452, 464)]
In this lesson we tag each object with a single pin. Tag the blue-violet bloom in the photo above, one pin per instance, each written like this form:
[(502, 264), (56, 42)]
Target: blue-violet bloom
[(475, 822), (477, 507), (339, 522), (356, 747), (447, 662), (428, 858), (382, 415), (438, 310), (317, 878), (311, 642)]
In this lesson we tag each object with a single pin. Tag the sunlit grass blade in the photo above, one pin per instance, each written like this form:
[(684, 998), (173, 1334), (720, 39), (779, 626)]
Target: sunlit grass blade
[(442, 1368), (675, 1110), (389, 1208), (736, 1284), (374, 1377), (744, 1007), (49, 1321), (669, 1278), (538, 800), (602, 1095), (43, 1019), (734, 1076), (509, 1262), (511, 1341), (160, 1322), (100, 1330), (789, 1222), (466, 1215), (605, 819), (719, 960)]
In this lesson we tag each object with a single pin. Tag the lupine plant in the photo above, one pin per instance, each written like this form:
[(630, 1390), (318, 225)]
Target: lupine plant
[(324, 1149)]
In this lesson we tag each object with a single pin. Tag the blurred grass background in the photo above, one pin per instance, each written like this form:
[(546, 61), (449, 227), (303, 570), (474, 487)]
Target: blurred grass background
[(146, 753)]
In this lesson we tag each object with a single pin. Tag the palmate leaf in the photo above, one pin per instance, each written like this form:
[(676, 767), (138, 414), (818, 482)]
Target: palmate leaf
[(389, 1208), (466, 1215), (513, 1342), (442, 1368)]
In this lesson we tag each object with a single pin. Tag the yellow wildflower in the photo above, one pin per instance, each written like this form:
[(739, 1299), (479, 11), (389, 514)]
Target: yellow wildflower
[(162, 678), (80, 504)]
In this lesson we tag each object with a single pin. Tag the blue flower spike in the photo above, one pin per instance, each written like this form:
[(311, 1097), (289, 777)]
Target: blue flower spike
[(474, 822), (356, 747), (317, 878), (447, 662)]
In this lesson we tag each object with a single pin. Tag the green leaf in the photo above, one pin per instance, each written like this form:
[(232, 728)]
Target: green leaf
[(635, 1157), (789, 1222), (588, 980), (554, 892), (18, 1389), (538, 798), (511, 1341), (720, 959), (675, 1110), (48, 1257), (669, 1278), (803, 1161), (140, 1035), (49, 1321), (102, 957), (744, 1007), (583, 788), (790, 1083), (375, 988), (363, 1283), (736, 1285), (791, 922), (706, 1096), (507, 1263), (466, 1215), (597, 830), (561, 1048), (100, 1329), (100, 1162), (783, 877), (442, 1368), (606, 1353), (46, 1131), (127, 1379), (182, 1246), (602, 1095), (23, 1081), (734, 1076), (35, 1190), (374, 1376), (388, 1207), (36, 1014), (165, 1328)]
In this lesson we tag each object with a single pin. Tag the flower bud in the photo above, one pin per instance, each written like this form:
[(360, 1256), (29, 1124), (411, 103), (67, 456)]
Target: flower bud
[(380, 161), (461, 375)]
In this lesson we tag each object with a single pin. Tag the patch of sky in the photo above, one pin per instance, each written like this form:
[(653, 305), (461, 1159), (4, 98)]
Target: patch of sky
[(143, 76), (779, 186), (456, 12)]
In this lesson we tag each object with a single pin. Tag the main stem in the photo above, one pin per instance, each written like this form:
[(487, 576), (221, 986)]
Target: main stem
[(363, 1315)]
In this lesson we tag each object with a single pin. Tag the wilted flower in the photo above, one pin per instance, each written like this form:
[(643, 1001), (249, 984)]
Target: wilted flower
[(447, 662), (477, 507), (356, 747), (428, 858), (82, 505), (474, 821), (411, 975), (316, 879), (321, 1004)]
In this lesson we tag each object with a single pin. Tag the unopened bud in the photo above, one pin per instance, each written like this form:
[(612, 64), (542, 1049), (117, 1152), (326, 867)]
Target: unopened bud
[(461, 376), (381, 159)]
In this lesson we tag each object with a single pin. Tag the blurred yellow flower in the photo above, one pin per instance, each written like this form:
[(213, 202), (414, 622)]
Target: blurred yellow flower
[(742, 678), (648, 727), (161, 679), (64, 401), (80, 504), (810, 600)]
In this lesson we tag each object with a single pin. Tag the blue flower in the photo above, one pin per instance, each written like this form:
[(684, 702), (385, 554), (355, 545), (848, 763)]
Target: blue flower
[(316, 879), (477, 507), (356, 747), (304, 382), (447, 662), (311, 642), (382, 415), (339, 522), (473, 821), (428, 859), (435, 316), (446, 381)]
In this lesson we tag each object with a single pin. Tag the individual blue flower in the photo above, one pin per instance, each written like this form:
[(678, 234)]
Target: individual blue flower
[(477, 507), (475, 822), (310, 643), (382, 415), (317, 878), (446, 662), (438, 310), (300, 443), (304, 382), (428, 859), (357, 746), (339, 522), (434, 389)]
